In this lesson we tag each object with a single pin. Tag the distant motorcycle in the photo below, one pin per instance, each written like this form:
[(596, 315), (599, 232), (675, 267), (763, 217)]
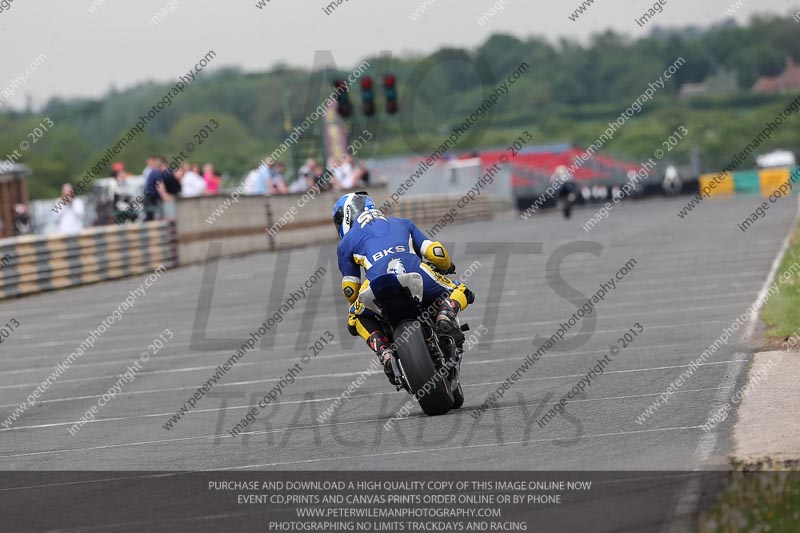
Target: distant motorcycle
[(426, 363), (566, 199)]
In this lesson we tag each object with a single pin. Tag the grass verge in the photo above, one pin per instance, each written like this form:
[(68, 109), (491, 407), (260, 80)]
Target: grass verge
[(782, 311), (757, 501)]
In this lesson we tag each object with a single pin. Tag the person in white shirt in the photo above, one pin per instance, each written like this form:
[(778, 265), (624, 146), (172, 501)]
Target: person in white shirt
[(305, 177), (344, 174), (250, 183), (303, 183), (192, 183), (672, 181), (307, 168), (70, 216)]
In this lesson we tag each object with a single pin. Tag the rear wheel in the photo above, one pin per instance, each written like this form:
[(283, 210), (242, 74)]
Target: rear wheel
[(431, 389), (566, 206)]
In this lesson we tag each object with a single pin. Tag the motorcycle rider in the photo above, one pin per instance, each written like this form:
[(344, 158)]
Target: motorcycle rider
[(380, 245), (563, 179)]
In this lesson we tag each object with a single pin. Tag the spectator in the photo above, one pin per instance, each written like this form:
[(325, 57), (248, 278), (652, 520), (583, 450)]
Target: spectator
[(161, 187), (123, 202), (322, 179), (212, 179), (116, 168), (152, 197), (362, 174), (151, 165), (171, 183), (70, 217), (303, 183), (263, 174), (275, 182), (169, 188), (22, 221), (192, 183), (307, 168), (251, 183), (305, 177), (344, 177)]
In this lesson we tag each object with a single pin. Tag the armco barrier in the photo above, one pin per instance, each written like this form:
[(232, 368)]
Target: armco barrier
[(763, 182), (42, 263)]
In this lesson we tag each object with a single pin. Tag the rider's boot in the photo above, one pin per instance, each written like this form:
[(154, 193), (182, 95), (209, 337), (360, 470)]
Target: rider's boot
[(446, 322), (379, 343)]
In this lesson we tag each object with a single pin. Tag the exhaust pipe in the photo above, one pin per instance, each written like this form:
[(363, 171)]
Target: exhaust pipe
[(448, 344)]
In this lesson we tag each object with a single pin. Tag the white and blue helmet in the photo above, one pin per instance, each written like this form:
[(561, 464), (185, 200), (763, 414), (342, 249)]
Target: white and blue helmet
[(347, 209)]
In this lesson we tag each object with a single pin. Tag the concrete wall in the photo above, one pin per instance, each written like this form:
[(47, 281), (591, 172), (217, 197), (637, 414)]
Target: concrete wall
[(242, 225), (239, 225), (299, 224)]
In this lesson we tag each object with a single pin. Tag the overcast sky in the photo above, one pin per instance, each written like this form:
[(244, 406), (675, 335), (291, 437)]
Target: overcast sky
[(86, 53)]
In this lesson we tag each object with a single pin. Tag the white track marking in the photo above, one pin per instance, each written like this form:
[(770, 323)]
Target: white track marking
[(322, 425), (485, 361), (343, 354), (353, 374), (196, 355), (320, 400), (450, 448), (538, 283)]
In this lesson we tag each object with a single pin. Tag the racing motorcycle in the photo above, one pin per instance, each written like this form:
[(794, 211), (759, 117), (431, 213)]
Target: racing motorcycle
[(426, 363), (566, 199)]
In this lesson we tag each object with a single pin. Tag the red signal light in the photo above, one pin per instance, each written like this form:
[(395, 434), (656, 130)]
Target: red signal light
[(391, 94)]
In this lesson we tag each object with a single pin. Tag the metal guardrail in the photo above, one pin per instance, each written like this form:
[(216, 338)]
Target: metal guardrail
[(33, 263)]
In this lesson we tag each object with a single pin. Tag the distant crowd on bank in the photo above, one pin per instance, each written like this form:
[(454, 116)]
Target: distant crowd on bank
[(153, 195)]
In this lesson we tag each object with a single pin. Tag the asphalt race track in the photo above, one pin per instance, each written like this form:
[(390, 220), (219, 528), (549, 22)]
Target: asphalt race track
[(691, 279)]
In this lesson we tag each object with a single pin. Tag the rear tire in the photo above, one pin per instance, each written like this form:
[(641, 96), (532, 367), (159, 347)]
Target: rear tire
[(431, 390), (566, 208)]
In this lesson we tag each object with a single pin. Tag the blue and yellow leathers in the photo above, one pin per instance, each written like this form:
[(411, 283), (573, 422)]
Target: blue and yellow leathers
[(381, 245)]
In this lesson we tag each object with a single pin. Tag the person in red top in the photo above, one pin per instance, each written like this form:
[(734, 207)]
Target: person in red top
[(212, 179)]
